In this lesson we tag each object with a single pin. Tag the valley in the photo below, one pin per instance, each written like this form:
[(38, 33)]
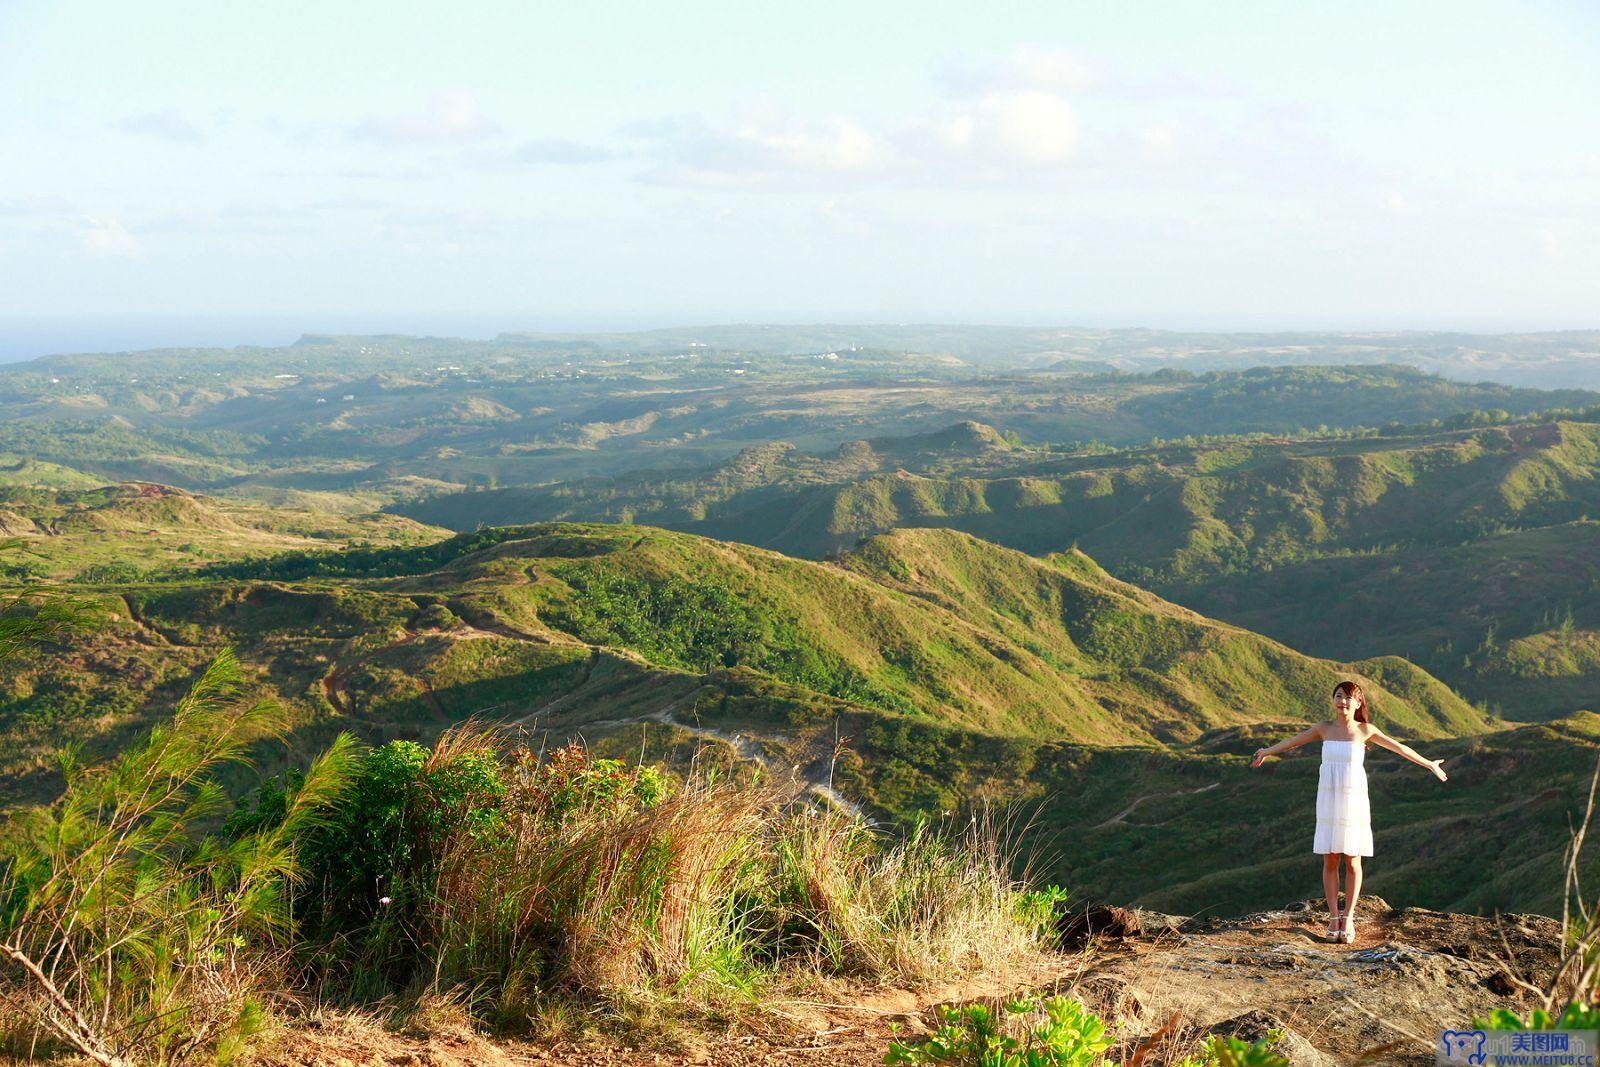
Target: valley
[(927, 585)]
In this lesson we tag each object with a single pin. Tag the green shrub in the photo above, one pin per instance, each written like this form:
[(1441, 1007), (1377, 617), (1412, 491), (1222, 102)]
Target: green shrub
[(115, 572), (377, 851), (1235, 1052), (1045, 907), (1066, 1034), (1069, 1036)]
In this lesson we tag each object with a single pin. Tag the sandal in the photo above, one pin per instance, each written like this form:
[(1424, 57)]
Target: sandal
[(1333, 927), (1348, 934)]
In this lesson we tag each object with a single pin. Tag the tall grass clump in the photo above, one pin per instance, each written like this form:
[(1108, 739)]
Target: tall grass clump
[(930, 903), (523, 881), (130, 931)]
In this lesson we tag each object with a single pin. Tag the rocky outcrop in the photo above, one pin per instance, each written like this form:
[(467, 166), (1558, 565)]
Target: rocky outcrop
[(1410, 973)]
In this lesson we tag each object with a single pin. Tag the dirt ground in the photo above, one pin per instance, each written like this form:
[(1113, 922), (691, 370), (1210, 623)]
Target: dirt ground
[(1410, 973)]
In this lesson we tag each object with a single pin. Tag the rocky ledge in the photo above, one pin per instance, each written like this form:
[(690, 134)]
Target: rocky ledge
[(1410, 973)]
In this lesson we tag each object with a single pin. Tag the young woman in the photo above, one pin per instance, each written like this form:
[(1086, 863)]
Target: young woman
[(1344, 818)]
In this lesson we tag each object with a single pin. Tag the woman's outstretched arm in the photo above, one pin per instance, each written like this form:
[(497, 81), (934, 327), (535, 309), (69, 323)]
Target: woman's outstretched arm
[(1309, 734), (1434, 765)]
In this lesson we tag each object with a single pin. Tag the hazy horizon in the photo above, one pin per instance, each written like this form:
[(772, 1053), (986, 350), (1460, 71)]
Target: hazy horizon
[(26, 338)]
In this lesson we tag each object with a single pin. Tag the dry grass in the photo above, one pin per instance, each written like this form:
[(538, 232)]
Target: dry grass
[(704, 900)]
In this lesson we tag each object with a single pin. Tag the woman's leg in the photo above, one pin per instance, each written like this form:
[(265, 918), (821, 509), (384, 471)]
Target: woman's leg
[(1352, 884), (1330, 884), (1352, 890)]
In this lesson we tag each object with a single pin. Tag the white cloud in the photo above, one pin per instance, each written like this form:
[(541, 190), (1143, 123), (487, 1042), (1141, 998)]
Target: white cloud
[(164, 125), (452, 116), (560, 151), (987, 138), (1032, 127), (32, 206), (1066, 71), (1051, 68), (760, 145), (106, 236)]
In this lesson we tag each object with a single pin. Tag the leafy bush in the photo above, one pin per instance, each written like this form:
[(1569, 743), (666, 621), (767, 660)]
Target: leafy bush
[(115, 572), (377, 851), (1068, 1035), (1044, 907)]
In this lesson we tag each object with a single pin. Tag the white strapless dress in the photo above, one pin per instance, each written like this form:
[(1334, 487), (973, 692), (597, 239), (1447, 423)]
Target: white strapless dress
[(1344, 817)]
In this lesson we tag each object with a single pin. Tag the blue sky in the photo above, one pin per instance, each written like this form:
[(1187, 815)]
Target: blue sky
[(526, 164)]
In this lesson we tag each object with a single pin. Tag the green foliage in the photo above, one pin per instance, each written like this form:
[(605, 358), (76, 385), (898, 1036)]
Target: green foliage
[(698, 622), (384, 840), (695, 622), (1068, 1035), (974, 1036), (1235, 1052), (1576, 1016), (570, 782), (131, 930), (1044, 907), (116, 572)]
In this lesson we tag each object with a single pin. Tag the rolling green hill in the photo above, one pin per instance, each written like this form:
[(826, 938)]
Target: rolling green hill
[(1450, 547), (127, 532)]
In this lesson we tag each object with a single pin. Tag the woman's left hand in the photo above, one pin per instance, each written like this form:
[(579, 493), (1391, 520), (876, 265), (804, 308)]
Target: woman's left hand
[(1437, 766)]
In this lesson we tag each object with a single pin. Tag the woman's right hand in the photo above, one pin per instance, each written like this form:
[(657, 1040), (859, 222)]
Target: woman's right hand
[(1261, 757)]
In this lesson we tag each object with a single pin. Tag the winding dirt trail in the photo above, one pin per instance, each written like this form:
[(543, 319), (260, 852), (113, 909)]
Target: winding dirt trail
[(1125, 812)]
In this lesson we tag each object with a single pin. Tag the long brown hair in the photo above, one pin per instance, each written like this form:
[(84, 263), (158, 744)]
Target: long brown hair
[(1353, 690)]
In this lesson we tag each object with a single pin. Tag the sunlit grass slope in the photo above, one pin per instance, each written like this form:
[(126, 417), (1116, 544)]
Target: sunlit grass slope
[(623, 622), (130, 531), (1470, 551)]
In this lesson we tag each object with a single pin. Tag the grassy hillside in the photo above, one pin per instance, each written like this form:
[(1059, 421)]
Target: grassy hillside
[(930, 626), (923, 674), (1171, 513), (1446, 546), (930, 623), (1512, 620), (129, 532)]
